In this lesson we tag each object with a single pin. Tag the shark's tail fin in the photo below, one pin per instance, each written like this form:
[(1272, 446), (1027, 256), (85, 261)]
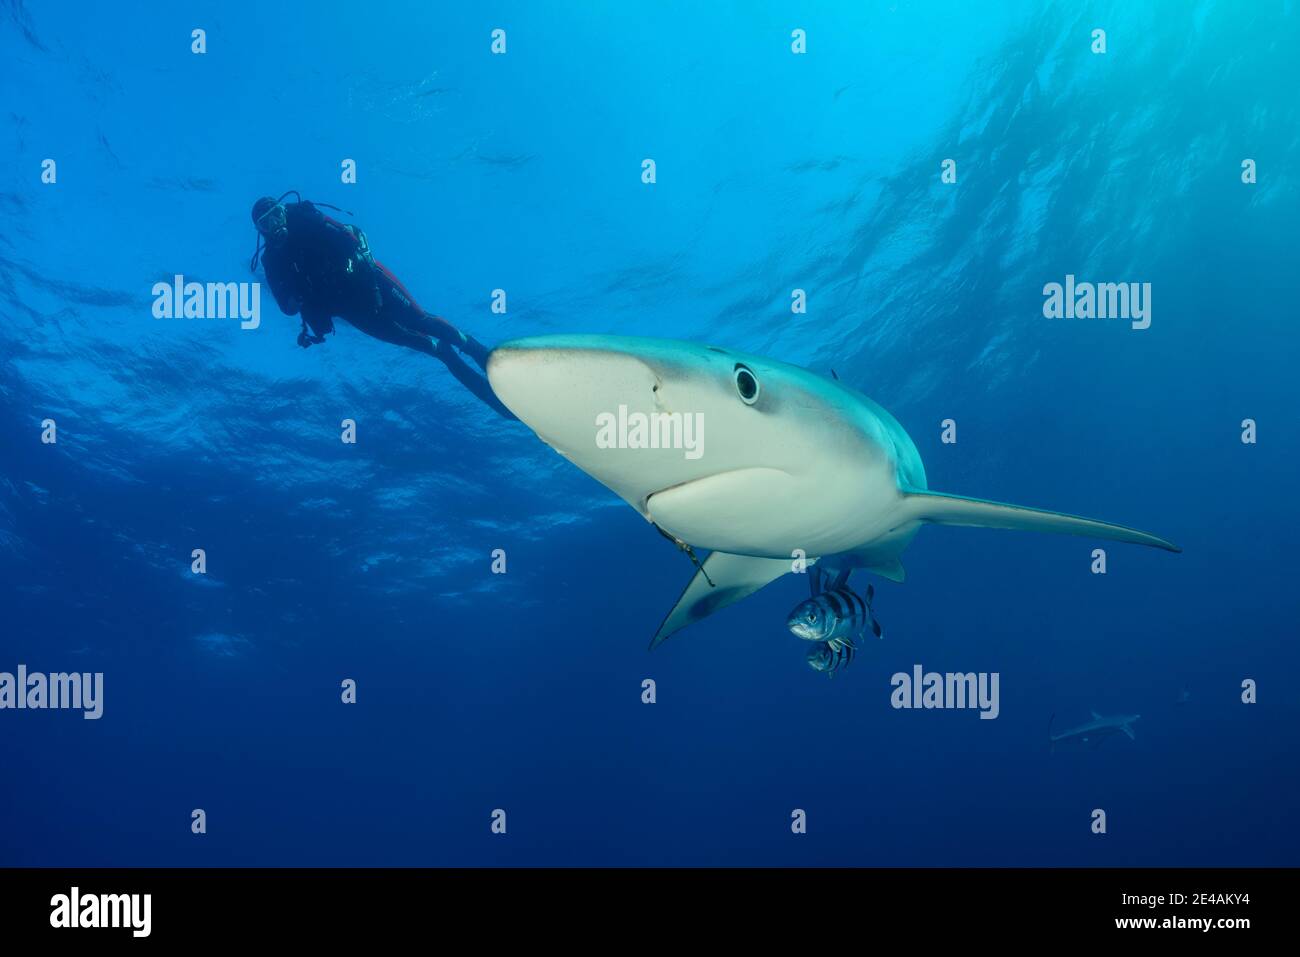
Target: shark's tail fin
[(942, 509)]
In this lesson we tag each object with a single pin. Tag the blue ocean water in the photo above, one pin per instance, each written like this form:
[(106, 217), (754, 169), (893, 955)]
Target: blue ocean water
[(522, 172)]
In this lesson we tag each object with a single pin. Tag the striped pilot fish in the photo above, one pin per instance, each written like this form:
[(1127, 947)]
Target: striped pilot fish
[(836, 616), (829, 659)]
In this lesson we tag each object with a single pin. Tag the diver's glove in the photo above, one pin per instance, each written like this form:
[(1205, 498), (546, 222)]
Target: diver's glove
[(306, 340)]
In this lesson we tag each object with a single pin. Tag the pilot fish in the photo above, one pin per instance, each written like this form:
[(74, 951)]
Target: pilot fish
[(837, 616), (834, 617), (828, 658)]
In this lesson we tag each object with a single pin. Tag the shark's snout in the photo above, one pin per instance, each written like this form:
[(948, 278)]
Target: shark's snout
[(559, 385)]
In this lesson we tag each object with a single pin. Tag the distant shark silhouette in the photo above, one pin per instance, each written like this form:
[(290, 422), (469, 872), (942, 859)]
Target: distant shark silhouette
[(792, 465), (1096, 730)]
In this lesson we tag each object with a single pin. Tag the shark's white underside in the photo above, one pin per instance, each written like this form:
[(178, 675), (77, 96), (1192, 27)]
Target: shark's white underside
[(808, 467)]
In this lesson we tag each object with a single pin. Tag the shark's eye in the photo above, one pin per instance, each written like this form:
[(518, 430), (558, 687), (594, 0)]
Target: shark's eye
[(746, 384)]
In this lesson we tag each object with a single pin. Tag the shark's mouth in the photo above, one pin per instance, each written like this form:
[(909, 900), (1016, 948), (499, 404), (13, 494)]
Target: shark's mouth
[(715, 498), (713, 479), (667, 489)]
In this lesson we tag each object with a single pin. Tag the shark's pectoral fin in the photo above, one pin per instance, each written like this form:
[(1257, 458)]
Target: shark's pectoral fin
[(1129, 731), (942, 509), (734, 577)]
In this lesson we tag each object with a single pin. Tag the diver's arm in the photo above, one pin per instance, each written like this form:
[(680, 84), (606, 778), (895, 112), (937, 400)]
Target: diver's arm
[(286, 292)]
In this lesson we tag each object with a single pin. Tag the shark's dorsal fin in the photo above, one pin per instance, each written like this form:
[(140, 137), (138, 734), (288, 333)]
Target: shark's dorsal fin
[(734, 577), (1096, 716)]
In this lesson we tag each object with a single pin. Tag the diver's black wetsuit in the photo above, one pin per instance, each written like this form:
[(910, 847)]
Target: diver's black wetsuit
[(323, 268)]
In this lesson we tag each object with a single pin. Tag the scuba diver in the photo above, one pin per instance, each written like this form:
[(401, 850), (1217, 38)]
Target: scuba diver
[(321, 268)]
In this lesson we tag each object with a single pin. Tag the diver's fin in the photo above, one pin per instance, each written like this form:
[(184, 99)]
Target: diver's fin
[(475, 382), (944, 509), (475, 350), (734, 577), (891, 570)]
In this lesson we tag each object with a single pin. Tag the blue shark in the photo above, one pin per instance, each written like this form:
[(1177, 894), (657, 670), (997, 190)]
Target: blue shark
[(1095, 730), (769, 466)]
